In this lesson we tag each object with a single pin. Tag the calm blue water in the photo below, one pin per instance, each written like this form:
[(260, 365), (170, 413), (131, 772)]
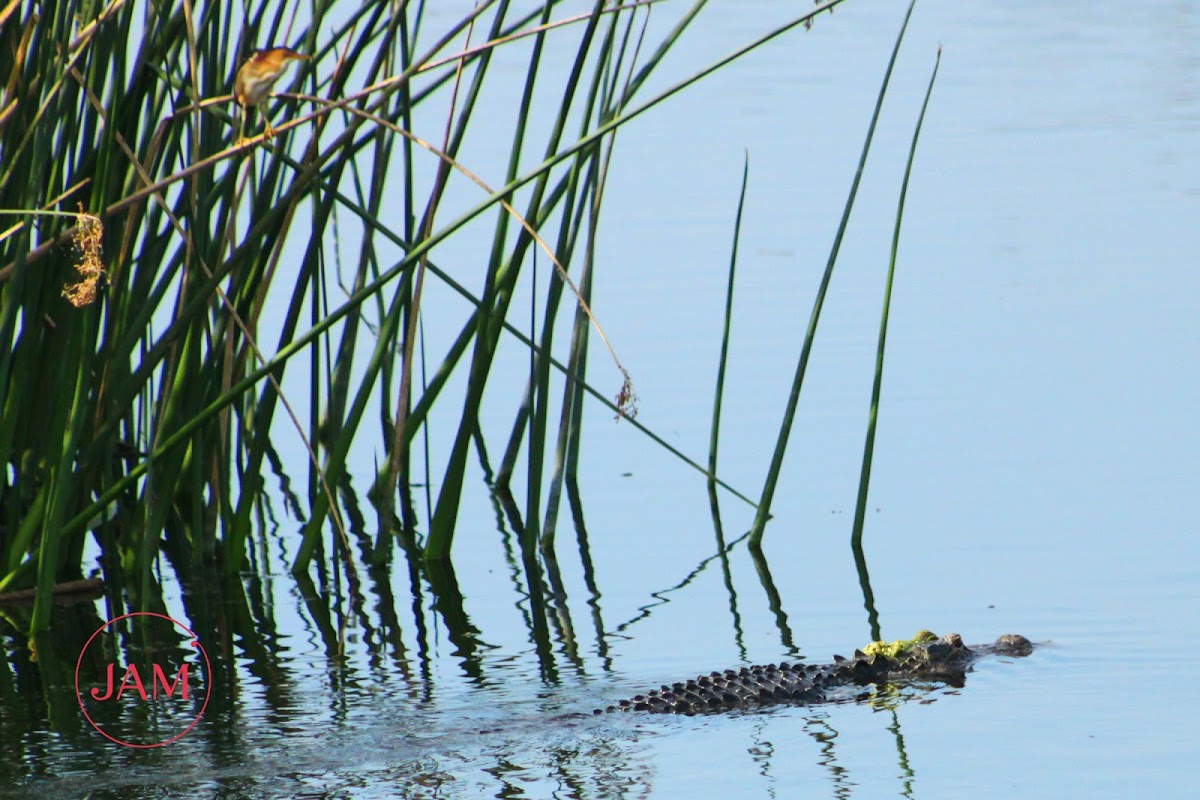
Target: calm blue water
[(1034, 472)]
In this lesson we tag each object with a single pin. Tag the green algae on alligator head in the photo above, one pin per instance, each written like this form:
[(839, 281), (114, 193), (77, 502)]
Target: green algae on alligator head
[(924, 658), (900, 646)]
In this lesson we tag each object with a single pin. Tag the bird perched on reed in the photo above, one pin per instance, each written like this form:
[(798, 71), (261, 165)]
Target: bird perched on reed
[(257, 77)]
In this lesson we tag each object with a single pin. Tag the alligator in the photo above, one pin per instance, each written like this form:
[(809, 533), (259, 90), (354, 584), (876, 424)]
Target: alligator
[(924, 658)]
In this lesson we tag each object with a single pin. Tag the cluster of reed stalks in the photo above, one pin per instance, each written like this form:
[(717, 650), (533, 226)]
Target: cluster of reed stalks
[(159, 275)]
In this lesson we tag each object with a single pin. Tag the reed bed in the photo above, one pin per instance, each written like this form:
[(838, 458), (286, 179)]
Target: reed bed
[(161, 278), (168, 260)]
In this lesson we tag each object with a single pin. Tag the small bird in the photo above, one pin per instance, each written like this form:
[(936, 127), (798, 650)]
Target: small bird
[(257, 77)]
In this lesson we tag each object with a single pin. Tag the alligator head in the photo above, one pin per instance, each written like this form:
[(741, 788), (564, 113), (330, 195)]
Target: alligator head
[(931, 657)]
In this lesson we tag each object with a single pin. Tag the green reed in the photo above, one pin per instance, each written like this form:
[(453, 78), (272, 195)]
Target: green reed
[(860, 508), (764, 504)]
